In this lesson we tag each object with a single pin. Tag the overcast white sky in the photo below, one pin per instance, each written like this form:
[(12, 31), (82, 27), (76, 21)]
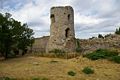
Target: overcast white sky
[(92, 17)]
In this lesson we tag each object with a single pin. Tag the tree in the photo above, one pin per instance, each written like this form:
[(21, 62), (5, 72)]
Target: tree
[(117, 31), (14, 36), (5, 36), (100, 36), (107, 35)]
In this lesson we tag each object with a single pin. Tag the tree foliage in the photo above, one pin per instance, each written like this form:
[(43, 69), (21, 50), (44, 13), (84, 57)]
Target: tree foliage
[(117, 31), (100, 36), (14, 36)]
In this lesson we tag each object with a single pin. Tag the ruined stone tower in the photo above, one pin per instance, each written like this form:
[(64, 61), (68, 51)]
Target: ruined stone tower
[(62, 35)]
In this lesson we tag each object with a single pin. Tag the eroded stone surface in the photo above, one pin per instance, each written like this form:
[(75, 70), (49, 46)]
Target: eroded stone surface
[(86, 45), (62, 35)]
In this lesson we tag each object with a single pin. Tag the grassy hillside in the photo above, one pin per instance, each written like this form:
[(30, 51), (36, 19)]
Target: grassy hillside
[(31, 67)]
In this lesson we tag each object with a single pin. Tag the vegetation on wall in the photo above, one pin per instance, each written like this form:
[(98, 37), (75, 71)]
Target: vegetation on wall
[(78, 48), (14, 36)]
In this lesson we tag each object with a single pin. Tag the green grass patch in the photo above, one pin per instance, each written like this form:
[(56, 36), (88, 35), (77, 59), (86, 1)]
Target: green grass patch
[(7, 78), (53, 61), (71, 73), (38, 78), (101, 54), (116, 59), (88, 70)]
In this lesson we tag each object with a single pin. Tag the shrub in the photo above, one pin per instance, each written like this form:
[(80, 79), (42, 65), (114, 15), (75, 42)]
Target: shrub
[(100, 36), (88, 70), (37, 78), (116, 59), (53, 61), (7, 78), (78, 49), (71, 73), (101, 54)]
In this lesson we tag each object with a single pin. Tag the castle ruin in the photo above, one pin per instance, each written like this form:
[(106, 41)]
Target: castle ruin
[(62, 34)]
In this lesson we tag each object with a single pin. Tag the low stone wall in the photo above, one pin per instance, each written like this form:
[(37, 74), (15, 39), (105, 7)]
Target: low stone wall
[(40, 44), (87, 45), (112, 41)]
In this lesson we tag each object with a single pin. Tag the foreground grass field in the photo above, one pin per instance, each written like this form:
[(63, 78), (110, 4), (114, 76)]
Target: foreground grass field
[(29, 67)]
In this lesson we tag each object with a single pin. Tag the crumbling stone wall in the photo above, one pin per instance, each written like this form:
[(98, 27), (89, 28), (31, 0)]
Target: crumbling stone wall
[(62, 35), (40, 44), (89, 45)]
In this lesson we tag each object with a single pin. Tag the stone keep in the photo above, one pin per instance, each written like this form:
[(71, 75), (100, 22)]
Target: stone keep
[(62, 34)]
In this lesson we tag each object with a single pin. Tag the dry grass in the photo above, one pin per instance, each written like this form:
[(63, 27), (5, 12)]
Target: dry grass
[(27, 67), (57, 55)]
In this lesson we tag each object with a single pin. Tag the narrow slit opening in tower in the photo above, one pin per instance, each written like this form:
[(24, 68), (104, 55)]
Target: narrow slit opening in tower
[(68, 17), (52, 18), (67, 32)]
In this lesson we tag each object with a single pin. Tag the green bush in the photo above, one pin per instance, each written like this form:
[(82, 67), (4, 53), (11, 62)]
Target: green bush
[(116, 59), (101, 54), (71, 73), (88, 70), (53, 61), (37, 78), (78, 49), (7, 78)]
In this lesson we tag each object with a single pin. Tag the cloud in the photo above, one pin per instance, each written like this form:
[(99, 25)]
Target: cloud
[(35, 15), (88, 20), (91, 16)]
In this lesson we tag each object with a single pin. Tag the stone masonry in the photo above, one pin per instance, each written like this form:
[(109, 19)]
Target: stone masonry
[(62, 34)]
